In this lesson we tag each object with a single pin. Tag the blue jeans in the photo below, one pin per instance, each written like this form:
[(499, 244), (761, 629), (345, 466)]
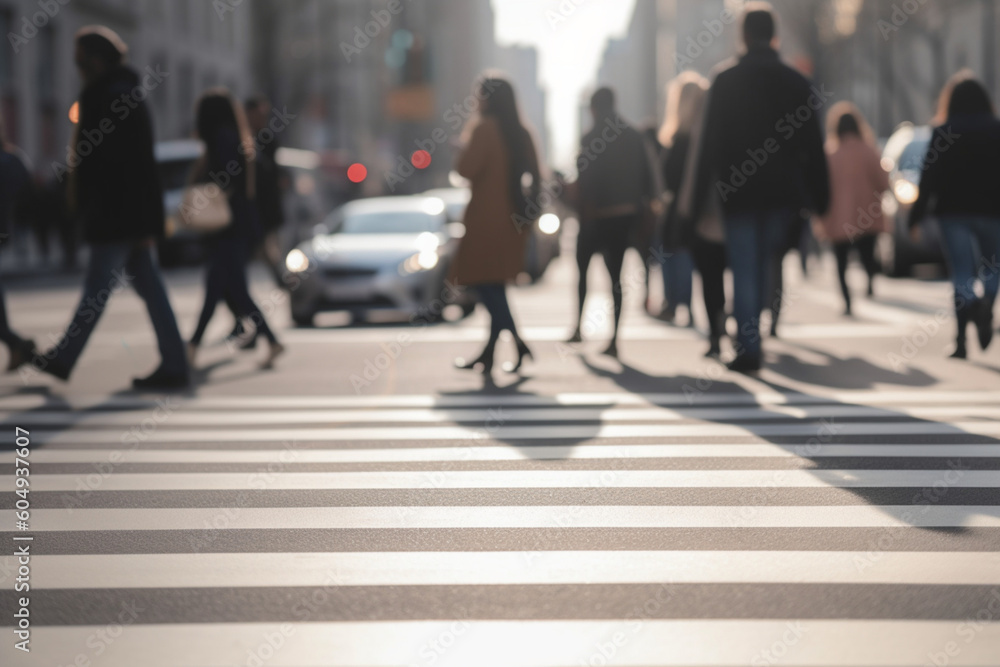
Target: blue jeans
[(972, 245), (112, 267), (753, 241)]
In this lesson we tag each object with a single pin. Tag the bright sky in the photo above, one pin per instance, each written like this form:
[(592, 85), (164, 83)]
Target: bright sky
[(570, 48)]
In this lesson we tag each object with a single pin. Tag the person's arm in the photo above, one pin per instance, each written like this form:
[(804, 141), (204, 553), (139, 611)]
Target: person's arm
[(930, 183), (816, 165)]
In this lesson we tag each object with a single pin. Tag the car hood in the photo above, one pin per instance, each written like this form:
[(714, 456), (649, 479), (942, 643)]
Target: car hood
[(362, 249)]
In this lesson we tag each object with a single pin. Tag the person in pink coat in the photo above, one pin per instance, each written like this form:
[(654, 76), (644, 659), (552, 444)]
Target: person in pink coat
[(857, 183)]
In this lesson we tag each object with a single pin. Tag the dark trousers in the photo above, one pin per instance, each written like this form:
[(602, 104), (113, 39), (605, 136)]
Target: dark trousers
[(494, 297), (113, 266), (866, 250), (710, 260), (226, 279), (610, 237)]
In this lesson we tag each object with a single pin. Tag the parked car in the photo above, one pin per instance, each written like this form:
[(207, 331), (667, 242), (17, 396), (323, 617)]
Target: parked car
[(903, 158), (543, 240), (388, 254)]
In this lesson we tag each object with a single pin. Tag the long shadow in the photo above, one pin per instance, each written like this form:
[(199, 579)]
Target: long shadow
[(841, 373), (836, 423)]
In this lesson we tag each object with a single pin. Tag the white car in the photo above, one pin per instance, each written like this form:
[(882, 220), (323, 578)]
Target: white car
[(388, 254)]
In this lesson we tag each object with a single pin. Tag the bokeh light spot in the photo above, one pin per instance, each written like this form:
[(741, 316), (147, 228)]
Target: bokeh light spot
[(74, 113), (421, 159), (357, 172)]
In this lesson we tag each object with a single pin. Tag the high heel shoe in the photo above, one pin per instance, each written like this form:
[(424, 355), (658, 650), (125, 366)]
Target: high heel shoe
[(485, 360), (523, 352)]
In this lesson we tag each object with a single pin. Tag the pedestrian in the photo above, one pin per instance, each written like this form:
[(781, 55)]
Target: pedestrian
[(763, 154), (498, 158), (705, 233), (614, 188), (857, 183), (117, 194), (685, 105), (958, 186), (229, 161), (270, 207), (15, 185)]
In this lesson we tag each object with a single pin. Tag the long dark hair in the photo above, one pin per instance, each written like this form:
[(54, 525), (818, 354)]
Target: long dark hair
[(969, 97), (522, 158), (218, 111)]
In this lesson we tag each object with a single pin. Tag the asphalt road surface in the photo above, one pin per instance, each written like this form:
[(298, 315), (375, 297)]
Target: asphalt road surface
[(365, 504)]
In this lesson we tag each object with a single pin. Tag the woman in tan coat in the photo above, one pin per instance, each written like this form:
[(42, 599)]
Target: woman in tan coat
[(500, 161), (857, 183)]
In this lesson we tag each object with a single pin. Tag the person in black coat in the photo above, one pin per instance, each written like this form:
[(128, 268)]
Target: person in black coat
[(14, 185), (613, 188), (229, 162), (763, 155), (116, 190), (961, 173)]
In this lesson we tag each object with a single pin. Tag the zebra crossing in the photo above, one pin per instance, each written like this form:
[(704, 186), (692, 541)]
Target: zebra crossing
[(849, 528)]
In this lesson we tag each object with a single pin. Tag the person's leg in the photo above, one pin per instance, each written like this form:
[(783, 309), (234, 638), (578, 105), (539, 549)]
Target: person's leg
[(987, 235), (613, 250), (959, 243), (106, 275), (238, 288), (776, 294), (842, 252), (215, 282), (148, 283), (866, 251), (710, 260), (743, 250), (585, 249), (489, 297)]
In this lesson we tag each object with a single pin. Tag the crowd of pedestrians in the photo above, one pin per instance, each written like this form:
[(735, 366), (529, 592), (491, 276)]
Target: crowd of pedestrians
[(739, 174)]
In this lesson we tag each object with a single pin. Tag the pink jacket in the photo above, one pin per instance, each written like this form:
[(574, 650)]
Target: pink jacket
[(857, 182)]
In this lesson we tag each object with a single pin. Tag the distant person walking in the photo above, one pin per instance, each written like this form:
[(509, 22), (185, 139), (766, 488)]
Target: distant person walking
[(613, 188), (688, 94), (857, 183), (958, 186), (229, 160), (15, 184), (685, 106), (269, 201), (498, 157), (763, 155), (117, 193)]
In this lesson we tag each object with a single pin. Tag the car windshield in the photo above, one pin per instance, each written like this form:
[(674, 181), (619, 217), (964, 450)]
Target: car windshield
[(396, 222), (912, 158)]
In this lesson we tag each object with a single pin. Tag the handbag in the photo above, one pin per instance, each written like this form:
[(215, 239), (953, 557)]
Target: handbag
[(205, 208)]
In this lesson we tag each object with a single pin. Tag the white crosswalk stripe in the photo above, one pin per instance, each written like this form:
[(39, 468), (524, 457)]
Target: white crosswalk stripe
[(855, 528)]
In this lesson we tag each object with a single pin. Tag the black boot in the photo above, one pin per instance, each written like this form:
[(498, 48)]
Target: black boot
[(523, 352), (485, 359), (983, 315), (963, 316)]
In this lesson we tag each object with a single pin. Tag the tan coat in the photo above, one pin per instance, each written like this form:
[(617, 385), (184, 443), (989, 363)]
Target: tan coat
[(857, 182), (493, 248)]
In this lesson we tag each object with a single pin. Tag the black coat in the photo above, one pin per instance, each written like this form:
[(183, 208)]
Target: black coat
[(14, 185), (614, 168), (763, 146), (226, 165), (961, 175), (676, 232), (117, 184)]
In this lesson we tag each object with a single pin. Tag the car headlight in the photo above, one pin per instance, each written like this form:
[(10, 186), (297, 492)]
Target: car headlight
[(549, 223), (296, 261), (421, 261), (905, 191)]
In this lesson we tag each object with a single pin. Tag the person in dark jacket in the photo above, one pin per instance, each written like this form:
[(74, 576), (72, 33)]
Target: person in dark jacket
[(958, 185), (763, 154), (15, 183), (229, 162), (117, 194), (268, 198), (613, 187)]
